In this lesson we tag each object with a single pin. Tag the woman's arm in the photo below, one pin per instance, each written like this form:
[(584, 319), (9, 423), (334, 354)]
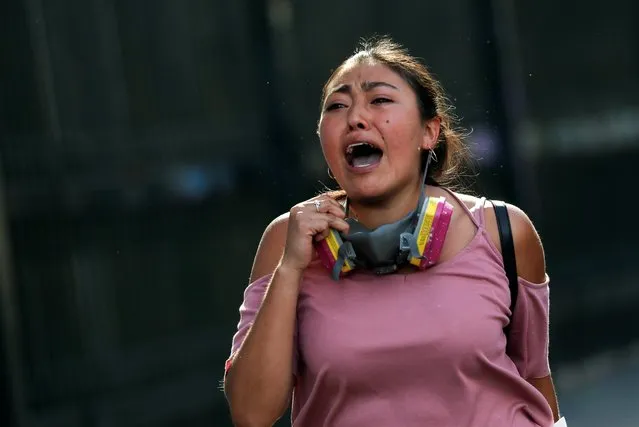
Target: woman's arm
[(531, 266), (546, 387), (259, 381)]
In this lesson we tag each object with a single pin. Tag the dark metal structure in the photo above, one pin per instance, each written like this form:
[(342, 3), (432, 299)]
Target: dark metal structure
[(145, 148)]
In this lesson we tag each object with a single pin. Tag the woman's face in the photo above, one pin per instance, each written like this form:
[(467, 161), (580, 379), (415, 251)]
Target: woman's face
[(372, 133)]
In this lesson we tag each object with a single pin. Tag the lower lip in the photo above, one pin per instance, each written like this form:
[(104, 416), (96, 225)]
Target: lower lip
[(365, 169)]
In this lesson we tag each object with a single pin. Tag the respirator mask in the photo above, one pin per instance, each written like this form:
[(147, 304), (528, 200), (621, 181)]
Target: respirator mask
[(416, 239)]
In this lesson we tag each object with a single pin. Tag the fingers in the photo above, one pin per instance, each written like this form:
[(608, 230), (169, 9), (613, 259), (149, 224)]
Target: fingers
[(331, 223), (321, 236), (338, 224), (308, 221), (323, 204), (319, 226), (317, 216)]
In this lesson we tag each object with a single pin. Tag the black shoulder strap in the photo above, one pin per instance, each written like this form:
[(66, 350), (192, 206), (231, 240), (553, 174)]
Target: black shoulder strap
[(507, 251)]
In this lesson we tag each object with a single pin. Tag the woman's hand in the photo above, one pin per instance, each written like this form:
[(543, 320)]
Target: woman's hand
[(308, 221)]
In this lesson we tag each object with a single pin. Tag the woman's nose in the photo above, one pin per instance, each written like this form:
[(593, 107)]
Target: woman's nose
[(358, 118)]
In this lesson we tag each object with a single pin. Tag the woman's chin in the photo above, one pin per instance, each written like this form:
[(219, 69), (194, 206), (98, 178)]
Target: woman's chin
[(366, 194)]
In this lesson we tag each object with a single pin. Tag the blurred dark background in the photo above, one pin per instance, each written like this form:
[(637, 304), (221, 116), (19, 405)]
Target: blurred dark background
[(146, 145)]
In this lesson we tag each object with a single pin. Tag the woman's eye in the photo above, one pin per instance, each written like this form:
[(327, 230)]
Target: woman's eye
[(334, 106), (381, 100)]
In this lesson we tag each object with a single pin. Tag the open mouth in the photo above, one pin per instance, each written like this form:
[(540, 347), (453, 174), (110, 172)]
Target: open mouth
[(363, 154)]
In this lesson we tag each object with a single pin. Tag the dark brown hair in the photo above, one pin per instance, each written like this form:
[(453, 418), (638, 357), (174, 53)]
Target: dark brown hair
[(451, 154)]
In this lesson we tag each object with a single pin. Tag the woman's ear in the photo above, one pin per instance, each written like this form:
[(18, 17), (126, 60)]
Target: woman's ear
[(432, 127)]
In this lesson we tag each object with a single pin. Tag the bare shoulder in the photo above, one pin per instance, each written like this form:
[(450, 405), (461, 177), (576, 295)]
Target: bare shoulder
[(469, 200), (271, 247), (529, 251), (273, 241)]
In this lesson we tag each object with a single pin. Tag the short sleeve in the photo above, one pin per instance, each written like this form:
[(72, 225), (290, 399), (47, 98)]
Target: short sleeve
[(528, 340), (253, 296)]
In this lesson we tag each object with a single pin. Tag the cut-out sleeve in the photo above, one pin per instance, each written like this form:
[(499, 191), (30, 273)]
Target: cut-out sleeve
[(529, 333)]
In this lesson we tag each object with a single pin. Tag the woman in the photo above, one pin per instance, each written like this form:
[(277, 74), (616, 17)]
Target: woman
[(413, 347)]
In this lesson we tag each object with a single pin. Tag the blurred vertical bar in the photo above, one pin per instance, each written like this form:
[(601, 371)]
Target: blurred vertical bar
[(284, 158), (12, 386), (48, 101), (42, 57), (10, 303), (499, 38)]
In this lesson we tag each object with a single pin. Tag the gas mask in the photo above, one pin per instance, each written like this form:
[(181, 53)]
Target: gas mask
[(416, 239)]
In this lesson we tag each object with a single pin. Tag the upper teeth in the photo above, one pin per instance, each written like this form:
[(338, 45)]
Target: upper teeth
[(349, 149)]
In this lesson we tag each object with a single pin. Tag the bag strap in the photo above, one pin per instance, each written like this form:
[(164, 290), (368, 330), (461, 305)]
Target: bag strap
[(508, 253)]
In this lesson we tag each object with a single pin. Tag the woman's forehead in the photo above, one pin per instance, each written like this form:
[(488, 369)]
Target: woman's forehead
[(357, 73)]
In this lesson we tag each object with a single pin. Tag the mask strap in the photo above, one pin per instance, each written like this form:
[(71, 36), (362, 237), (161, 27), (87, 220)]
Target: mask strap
[(345, 252), (408, 239), (408, 243), (422, 193), (431, 154)]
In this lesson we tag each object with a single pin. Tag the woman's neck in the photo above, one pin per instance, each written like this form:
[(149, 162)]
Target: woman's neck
[(388, 210)]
